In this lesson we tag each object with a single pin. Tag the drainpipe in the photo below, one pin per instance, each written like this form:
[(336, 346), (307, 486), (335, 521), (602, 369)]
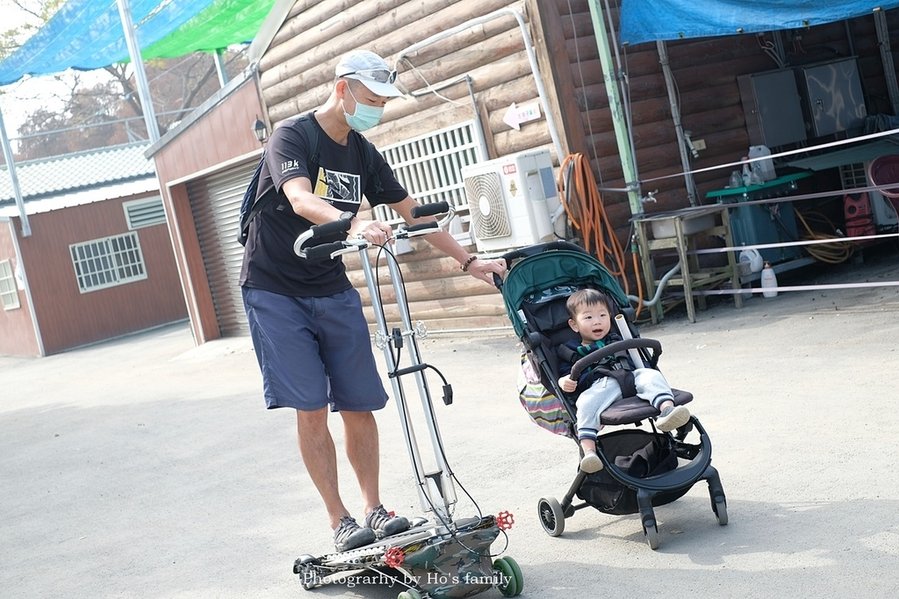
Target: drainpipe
[(682, 141), (20, 266), (532, 59), (625, 150)]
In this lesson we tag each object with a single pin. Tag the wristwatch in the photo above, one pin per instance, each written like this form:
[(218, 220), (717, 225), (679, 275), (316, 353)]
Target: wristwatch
[(347, 215)]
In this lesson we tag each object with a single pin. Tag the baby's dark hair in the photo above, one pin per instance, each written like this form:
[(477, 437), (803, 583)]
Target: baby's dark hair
[(588, 297)]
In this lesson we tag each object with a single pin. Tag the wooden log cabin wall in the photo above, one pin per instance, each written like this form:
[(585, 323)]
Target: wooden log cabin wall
[(706, 74), (479, 72), (483, 69)]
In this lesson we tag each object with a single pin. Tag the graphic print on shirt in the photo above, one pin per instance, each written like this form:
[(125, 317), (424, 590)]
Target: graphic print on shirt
[(338, 186)]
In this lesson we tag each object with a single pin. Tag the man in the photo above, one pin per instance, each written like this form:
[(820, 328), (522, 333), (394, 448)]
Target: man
[(306, 320)]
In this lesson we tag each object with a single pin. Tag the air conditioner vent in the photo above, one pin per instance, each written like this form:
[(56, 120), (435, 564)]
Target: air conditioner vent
[(513, 200), (487, 206)]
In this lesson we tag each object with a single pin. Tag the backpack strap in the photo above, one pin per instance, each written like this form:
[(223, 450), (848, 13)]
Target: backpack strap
[(369, 159), (258, 204)]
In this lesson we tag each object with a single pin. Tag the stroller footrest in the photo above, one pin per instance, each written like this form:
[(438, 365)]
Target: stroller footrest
[(633, 409)]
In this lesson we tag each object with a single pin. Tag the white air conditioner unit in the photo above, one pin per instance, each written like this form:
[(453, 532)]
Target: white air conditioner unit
[(883, 213), (512, 200)]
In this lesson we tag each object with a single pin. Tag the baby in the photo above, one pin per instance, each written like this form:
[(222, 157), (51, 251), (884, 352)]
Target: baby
[(590, 315)]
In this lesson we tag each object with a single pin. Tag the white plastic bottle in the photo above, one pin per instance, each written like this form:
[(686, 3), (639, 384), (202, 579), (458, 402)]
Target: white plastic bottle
[(769, 281)]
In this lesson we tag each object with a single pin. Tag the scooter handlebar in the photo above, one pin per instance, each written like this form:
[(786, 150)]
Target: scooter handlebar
[(319, 252), (430, 209), (317, 232), (342, 226)]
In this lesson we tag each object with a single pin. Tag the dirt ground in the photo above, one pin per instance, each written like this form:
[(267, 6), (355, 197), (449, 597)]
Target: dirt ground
[(147, 467)]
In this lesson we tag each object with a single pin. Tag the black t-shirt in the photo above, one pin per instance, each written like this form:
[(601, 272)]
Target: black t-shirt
[(269, 262)]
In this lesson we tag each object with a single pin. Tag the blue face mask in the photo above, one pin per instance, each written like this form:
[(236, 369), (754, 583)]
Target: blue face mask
[(364, 117)]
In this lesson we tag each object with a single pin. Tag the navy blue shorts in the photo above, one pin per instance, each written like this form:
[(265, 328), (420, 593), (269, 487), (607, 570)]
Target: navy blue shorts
[(314, 351)]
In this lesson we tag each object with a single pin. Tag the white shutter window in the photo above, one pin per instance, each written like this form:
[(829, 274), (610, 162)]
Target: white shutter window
[(108, 262), (9, 295), (429, 166), (144, 213)]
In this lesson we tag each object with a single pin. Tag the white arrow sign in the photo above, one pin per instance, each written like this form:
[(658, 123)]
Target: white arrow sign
[(516, 115)]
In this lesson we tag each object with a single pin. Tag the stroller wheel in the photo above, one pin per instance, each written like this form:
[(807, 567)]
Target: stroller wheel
[(551, 516), (720, 509), (652, 535)]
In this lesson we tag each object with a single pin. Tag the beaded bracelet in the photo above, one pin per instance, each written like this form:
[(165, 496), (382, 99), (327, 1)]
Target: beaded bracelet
[(468, 262)]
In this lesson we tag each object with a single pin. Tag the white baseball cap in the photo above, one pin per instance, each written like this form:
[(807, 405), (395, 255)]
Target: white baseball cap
[(372, 70)]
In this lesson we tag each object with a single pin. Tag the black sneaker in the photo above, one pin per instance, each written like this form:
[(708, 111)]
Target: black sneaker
[(349, 535), (385, 523)]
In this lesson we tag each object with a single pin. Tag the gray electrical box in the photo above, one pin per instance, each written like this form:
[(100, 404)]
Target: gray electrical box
[(772, 108), (833, 95)]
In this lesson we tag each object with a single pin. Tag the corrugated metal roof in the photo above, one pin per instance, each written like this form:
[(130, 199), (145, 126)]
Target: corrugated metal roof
[(80, 171), (84, 196)]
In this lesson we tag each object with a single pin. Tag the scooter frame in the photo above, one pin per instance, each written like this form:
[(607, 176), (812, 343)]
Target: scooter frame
[(426, 558)]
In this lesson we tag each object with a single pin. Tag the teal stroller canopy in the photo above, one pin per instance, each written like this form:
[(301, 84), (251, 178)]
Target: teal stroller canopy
[(550, 269)]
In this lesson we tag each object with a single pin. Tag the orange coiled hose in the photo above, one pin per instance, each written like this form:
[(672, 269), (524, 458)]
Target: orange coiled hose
[(584, 206)]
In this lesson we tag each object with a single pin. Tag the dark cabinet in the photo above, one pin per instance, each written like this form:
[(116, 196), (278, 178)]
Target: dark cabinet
[(834, 100), (792, 105), (772, 107)]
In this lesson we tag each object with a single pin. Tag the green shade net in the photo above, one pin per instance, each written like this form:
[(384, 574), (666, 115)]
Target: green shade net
[(222, 23)]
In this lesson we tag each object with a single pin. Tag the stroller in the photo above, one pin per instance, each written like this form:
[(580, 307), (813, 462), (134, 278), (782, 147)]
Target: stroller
[(642, 469)]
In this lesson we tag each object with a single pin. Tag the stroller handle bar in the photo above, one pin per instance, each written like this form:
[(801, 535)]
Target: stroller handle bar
[(598, 355), (533, 250), (336, 248)]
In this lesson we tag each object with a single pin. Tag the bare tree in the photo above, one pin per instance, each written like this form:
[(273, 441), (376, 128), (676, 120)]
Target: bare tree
[(109, 113)]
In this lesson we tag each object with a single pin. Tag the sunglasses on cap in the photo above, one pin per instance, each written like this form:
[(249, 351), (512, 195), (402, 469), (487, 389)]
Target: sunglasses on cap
[(379, 75)]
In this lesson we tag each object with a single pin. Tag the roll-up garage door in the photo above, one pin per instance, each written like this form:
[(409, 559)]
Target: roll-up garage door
[(215, 201)]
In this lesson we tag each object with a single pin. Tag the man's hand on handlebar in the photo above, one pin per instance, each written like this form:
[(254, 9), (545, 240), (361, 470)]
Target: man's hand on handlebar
[(485, 269), (373, 231)]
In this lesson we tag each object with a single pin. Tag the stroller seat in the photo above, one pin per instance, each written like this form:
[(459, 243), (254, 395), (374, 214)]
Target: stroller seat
[(547, 320)]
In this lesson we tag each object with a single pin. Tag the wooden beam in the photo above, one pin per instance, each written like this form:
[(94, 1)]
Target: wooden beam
[(555, 66)]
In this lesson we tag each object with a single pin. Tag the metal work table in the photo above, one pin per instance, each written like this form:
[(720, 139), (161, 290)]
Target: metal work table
[(768, 189), (678, 230)]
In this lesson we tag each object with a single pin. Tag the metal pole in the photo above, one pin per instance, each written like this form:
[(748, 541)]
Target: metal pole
[(220, 67), (625, 151), (143, 88), (11, 167), (678, 124)]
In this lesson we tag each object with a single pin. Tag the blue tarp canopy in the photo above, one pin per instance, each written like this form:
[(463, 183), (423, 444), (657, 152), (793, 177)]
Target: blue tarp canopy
[(87, 34), (651, 20)]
